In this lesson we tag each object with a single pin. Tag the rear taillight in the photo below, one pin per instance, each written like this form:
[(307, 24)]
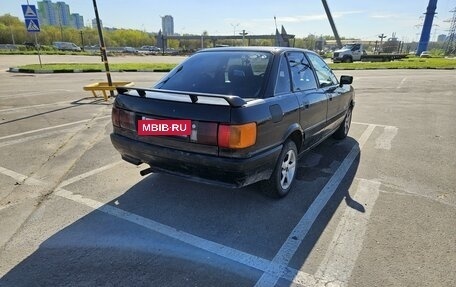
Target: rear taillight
[(204, 133), (237, 136), (115, 117), (124, 119)]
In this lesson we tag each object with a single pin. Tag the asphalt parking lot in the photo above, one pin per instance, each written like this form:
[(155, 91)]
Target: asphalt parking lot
[(377, 209)]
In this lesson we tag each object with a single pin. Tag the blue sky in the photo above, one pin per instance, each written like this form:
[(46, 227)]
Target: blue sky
[(364, 19)]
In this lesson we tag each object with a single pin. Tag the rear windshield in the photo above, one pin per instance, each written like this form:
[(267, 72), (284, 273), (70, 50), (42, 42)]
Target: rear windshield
[(239, 73)]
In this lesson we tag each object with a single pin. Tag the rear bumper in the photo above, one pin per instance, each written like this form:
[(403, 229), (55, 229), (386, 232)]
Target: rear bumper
[(231, 172)]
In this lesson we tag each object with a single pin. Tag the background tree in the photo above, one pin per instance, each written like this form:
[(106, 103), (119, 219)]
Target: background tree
[(12, 29)]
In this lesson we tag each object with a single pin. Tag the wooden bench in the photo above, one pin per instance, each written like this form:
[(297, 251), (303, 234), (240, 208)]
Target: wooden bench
[(104, 87)]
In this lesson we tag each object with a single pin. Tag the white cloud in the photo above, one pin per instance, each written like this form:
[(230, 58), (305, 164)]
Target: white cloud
[(385, 16), (298, 18)]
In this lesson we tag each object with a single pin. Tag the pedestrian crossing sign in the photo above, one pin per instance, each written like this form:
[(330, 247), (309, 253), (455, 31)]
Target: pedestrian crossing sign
[(31, 18), (32, 25)]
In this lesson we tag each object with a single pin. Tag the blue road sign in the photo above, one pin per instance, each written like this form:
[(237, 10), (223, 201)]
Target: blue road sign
[(29, 12), (32, 25), (31, 18)]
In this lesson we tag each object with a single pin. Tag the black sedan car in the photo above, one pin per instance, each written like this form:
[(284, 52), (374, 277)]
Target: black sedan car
[(234, 116)]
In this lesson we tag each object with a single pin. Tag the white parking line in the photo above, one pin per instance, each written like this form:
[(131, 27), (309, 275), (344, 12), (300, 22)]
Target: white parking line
[(401, 83), (300, 231), (87, 174), (193, 240), (35, 106), (20, 177), (273, 270), (368, 124), (32, 94), (35, 137), (385, 139), (347, 241), (53, 127)]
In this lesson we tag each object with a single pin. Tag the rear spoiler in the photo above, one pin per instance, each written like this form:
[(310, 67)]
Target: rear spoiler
[(233, 101)]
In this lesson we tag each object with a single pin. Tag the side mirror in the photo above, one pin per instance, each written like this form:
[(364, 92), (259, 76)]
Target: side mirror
[(345, 80)]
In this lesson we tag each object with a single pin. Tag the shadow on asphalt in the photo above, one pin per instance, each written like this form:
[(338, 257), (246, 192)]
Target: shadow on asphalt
[(103, 250), (74, 104)]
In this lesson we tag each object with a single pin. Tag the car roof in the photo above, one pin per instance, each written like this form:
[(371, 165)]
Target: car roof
[(273, 50)]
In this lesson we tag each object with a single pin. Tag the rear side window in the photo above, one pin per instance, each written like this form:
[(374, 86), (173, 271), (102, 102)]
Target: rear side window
[(239, 73), (283, 84), (302, 75), (324, 74)]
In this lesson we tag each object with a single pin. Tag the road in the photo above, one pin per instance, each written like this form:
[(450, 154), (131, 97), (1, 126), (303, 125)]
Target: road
[(377, 209)]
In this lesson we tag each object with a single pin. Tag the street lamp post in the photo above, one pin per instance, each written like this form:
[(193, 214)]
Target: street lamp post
[(244, 33), (234, 31), (382, 36), (82, 40), (60, 20), (12, 34)]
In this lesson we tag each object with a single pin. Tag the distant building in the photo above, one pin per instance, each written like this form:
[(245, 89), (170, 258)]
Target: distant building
[(441, 38), (63, 13), (77, 21), (46, 13), (94, 24), (167, 25), (58, 14)]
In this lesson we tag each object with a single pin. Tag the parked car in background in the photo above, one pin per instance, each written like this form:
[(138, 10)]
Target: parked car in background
[(249, 113), (150, 50), (171, 51), (425, 54), (67, 46), (129, 50)]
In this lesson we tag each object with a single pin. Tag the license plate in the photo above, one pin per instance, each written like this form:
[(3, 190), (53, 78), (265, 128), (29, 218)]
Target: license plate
[(155, 127)]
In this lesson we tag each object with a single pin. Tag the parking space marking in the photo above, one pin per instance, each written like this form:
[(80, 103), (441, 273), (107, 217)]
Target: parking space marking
[(190, 239), (87, 174), (20, 177), (235, 255), (385, 139), (35, 106), (35, 137), (401, 83), (53, 127), (294, 240), (273, 269), (32, 94), (347, 241), (369, 124)]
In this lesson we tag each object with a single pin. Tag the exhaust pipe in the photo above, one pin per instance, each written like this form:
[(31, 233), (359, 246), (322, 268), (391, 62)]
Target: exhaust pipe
[(145, 171)]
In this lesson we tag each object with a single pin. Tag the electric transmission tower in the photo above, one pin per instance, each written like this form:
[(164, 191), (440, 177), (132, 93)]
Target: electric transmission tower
[(450, 42)]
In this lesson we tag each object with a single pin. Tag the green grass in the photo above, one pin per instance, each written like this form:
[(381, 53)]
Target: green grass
[(95, 66), (408, 63), (43, 52)]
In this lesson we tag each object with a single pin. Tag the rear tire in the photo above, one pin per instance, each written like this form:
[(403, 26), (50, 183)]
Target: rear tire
[(282, 178), (344, 127)]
